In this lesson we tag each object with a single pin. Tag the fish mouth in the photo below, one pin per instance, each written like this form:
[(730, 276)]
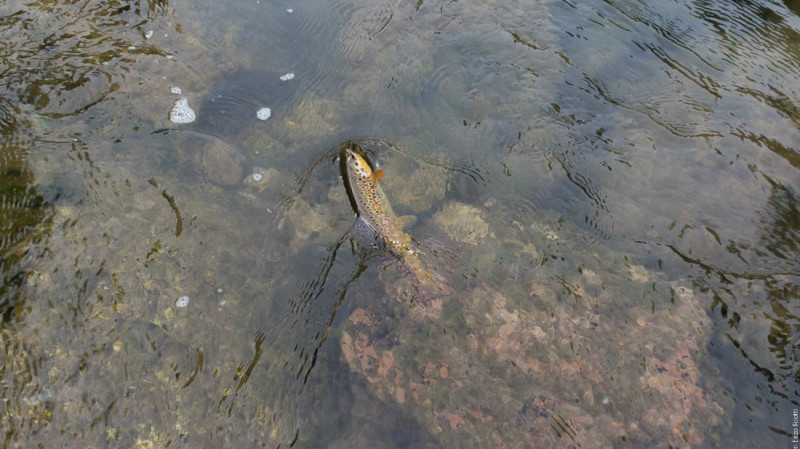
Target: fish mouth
[(351, 160), (353, 152), (356, 163)]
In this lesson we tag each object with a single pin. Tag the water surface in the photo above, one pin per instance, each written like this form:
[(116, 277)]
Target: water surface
[(609, 188)]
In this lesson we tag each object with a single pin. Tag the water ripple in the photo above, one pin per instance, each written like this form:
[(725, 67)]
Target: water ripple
[(50, 71)]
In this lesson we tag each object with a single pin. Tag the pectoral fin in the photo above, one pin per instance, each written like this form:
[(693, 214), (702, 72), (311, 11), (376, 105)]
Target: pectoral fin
[(363, 234), (376, 176)]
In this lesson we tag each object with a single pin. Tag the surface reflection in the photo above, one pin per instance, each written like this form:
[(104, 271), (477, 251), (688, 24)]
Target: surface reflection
[(23, 210), (25, 216)]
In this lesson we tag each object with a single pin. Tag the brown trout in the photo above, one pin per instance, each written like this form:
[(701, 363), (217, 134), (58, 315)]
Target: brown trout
[(376, 220)]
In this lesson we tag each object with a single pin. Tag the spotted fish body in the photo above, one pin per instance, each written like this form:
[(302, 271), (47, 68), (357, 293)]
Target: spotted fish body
[(377, 221), (374, 212)]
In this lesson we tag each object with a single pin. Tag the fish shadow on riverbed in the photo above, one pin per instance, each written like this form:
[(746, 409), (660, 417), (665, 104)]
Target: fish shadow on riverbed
[(233, 100)]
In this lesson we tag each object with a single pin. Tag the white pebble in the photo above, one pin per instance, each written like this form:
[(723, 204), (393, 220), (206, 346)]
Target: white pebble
[(264, 113), (181, 112), (257, 177), (290, 10), (182, 302), (148, 34), (175, 90), (287, 77)]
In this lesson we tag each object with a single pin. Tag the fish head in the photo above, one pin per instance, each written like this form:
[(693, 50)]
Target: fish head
[(356, 165)]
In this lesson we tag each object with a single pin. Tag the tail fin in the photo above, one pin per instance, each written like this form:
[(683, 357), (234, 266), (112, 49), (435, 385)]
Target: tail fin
[(428, 285)]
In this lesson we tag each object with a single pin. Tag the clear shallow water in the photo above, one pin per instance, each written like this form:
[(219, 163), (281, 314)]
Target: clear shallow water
[(610, 188)]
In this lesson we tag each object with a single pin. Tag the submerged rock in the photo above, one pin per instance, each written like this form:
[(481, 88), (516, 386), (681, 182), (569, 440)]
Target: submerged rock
[(419, 191), (456, 384), (312, 221), (313, 117), (462, 222), (261, 177), (222, 163), (482, 368)]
